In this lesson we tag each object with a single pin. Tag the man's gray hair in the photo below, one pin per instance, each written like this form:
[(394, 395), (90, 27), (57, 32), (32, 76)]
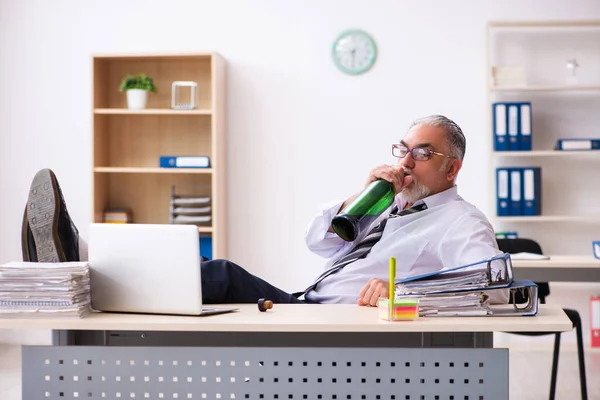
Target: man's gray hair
[(455, 139)]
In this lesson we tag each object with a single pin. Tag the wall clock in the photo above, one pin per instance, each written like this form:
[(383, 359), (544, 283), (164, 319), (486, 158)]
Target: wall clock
[(354, 52)]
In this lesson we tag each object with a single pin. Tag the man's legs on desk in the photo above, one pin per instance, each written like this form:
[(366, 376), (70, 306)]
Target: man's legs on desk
[(226, 282), (49, 235)]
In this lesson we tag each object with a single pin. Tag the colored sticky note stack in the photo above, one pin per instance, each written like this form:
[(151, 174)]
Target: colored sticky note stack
[(404, 309)]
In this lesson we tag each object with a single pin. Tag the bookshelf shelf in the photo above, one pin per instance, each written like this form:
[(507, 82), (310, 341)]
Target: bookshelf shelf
[(547, 153), (543, 88), (127, 144), (593, 219), (154, 111), (140, 170), (545, 24)]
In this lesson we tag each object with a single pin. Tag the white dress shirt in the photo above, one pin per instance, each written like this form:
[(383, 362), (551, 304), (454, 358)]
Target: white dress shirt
[(451, 232)]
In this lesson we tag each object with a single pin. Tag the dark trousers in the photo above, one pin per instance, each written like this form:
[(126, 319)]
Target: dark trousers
[(226, 282)]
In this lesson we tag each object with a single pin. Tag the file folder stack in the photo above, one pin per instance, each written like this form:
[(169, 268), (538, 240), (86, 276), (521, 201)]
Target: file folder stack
[(464, 290), (117, 215), (191, 210), (519, 191), (512, 126), (48, 290)]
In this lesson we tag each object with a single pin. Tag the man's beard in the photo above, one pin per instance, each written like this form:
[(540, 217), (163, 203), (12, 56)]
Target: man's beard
[(415, 191)]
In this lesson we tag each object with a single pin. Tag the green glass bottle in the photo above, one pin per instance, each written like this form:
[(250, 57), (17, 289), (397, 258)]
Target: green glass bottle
[(363, 210)]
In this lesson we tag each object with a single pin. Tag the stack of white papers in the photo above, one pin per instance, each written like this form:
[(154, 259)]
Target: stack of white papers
[(529, 256), (452, 304), (45, 289)]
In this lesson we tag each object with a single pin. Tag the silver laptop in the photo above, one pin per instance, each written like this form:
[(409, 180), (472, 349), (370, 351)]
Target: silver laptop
[(147, 268)]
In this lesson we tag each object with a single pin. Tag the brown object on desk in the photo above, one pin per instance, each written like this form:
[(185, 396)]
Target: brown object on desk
[(264, 304)]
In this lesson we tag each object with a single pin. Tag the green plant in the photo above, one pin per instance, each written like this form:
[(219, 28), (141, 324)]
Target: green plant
[(141, 81)]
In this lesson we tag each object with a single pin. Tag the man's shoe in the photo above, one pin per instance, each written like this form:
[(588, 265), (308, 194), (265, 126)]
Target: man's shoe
[(48, 234)]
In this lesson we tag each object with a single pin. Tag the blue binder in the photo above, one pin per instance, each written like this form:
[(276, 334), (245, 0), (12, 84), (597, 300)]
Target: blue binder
[(578, 144), (499, 127), (498, 268), (512, 110), (516, 191), (184, 162), (502, 192), (532, 191), (525, 126), (206, 248)]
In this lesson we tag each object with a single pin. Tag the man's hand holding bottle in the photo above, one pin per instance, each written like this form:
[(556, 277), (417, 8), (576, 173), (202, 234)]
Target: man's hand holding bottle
[(391, 173), (394, 174)]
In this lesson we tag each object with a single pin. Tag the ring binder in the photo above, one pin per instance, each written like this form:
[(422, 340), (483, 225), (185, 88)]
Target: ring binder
[(464, 290)]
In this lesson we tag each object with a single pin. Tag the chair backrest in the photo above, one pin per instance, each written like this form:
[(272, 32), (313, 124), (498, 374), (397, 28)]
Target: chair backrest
[(522, 245), (519, 245)]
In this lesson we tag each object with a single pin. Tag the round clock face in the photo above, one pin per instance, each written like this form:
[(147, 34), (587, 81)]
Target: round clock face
[(354, 52)]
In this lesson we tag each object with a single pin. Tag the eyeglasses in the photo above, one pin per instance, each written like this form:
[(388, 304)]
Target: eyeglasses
[(418, 154)]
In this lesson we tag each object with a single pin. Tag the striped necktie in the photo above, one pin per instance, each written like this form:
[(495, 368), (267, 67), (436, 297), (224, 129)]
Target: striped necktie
[(363, 247)]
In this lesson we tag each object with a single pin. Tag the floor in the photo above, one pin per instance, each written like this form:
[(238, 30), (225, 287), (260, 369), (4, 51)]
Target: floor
[(529, 374)]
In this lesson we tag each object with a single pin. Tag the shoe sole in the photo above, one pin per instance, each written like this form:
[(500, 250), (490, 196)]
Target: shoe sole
[(42, 217)]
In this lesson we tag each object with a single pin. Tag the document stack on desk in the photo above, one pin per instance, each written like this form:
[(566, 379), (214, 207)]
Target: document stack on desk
[(32, 289), (465, 290), (453, 304)]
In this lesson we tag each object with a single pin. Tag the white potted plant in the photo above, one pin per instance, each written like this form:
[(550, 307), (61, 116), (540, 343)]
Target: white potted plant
[(137, 88)]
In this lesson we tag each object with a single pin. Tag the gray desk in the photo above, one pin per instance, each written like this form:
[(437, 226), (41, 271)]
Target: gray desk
[(559, 269), (341, 352)]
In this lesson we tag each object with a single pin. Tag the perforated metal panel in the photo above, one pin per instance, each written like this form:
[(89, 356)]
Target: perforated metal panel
[(78, 372)]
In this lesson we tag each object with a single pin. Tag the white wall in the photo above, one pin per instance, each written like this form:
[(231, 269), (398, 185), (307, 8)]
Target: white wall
[(300, 132)]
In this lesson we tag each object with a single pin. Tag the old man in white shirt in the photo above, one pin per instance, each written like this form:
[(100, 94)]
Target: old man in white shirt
[(450, 232)]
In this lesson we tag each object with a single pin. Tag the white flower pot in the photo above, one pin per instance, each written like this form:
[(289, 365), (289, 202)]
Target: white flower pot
[(136, 99)]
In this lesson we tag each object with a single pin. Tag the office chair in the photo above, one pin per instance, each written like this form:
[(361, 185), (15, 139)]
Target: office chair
[(531, 246)]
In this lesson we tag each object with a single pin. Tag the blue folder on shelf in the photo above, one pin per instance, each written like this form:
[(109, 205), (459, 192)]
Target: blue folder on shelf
[(499, 126), (516, 190), (502, 192), (532, 191), (513, 126), (578, 144), (184, 162), (525, 126)]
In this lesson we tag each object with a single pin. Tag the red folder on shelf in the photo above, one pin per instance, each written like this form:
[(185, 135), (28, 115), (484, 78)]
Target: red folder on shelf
[(595, 321)]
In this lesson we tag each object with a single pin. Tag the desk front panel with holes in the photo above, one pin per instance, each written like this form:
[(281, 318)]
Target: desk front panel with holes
[(284, 373)]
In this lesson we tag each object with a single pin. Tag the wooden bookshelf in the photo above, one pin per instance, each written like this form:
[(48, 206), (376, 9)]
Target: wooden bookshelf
[(152, 170), (127, 144)]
